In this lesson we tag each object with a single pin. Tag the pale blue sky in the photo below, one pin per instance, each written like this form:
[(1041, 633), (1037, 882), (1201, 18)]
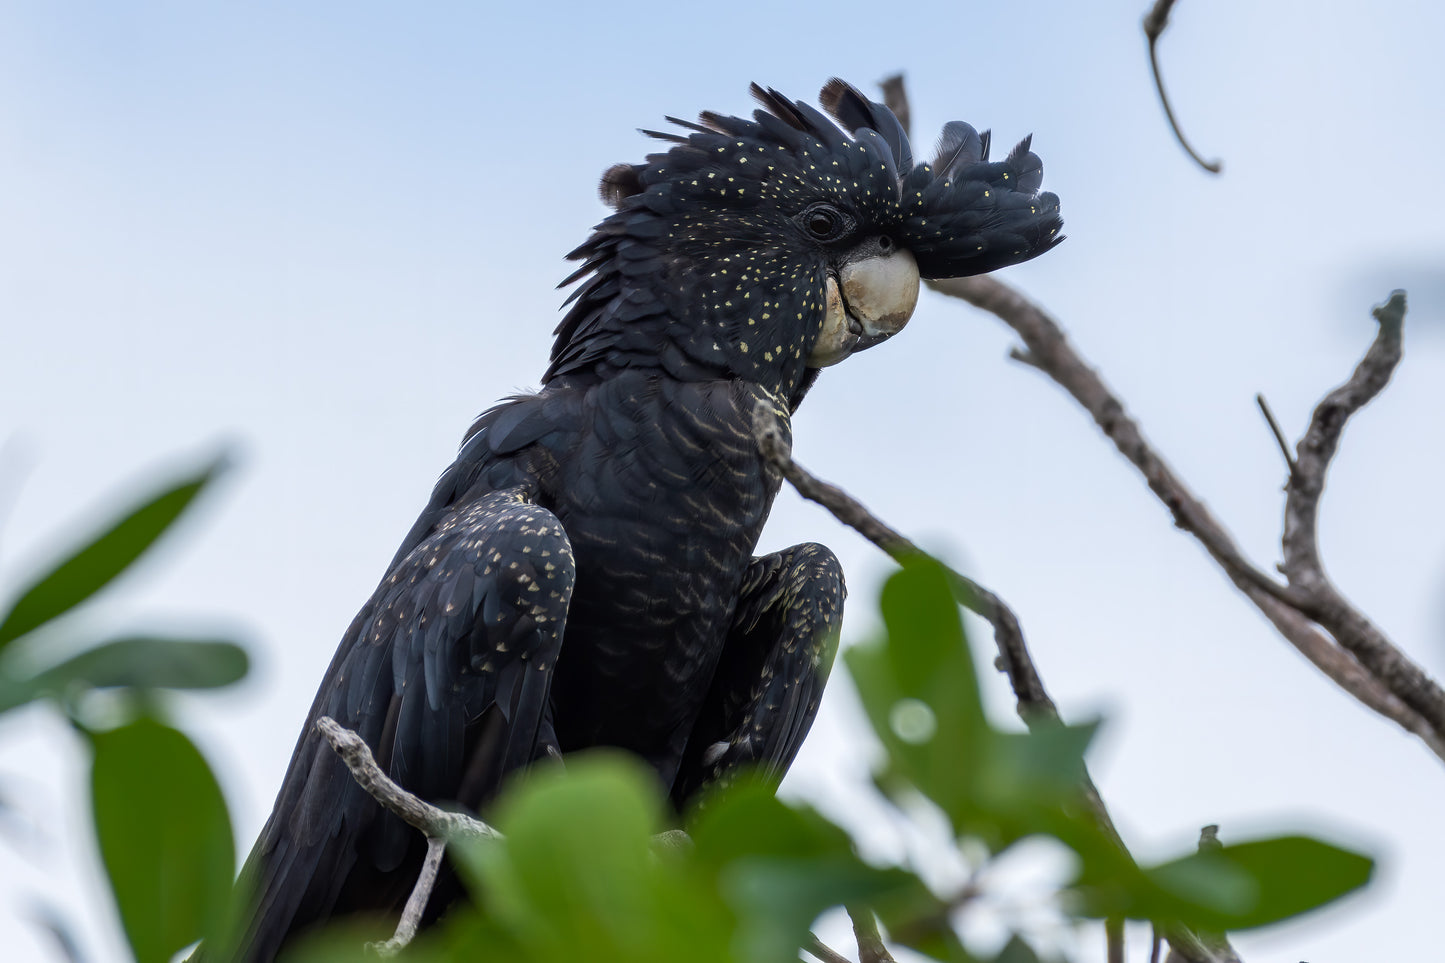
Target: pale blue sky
[(328, 234)]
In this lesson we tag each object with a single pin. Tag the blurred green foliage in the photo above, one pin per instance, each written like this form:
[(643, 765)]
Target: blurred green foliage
[(161, 823), (578, 872)]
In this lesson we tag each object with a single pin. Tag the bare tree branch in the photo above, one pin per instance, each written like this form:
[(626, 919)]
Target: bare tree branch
[(1154, 23), (896, 96), (1034, 703), (1302, 564), (1401, 694), (1051, 353), (436, 824)]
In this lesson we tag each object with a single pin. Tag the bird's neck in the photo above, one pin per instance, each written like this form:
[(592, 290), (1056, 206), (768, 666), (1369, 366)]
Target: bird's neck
[(718, 321)]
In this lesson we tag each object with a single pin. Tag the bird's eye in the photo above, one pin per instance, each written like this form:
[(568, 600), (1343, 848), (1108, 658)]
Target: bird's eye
[(824, 222)]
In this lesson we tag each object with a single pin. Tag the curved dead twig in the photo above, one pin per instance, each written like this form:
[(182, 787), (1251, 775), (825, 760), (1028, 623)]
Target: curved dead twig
[(1154, 23), (420, 815), (438, 825)]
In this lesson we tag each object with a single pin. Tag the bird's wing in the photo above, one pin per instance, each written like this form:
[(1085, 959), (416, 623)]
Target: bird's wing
[(770, 679), (446, 674)]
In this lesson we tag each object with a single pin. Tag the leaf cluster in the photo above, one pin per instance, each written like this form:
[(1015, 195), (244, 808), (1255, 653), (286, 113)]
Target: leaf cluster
[(160, 819)]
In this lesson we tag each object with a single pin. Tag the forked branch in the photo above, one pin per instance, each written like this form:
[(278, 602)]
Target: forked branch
[(1308, 612), (438, 825)]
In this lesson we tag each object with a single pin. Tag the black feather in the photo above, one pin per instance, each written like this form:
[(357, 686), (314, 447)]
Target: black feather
[(959, 144), (854, 112), (619, 182), (1029, 169), (780, 107), (670, 137)]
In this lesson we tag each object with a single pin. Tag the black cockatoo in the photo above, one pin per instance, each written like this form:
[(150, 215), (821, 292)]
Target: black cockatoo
[(583, 574)]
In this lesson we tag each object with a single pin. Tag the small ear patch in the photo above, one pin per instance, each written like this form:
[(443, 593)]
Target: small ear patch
[(620, 182)]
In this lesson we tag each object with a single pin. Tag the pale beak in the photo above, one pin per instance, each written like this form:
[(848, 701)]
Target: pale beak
[(868, 302)]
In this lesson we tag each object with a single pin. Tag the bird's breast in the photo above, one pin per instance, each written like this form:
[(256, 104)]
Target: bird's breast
[(664, 499)]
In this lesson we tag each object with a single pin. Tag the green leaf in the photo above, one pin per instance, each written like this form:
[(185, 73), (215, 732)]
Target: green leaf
[(147, 662), (16, 692), (1284, 876), (576, 876), (920, 690), (779, 866), (1203, 888), (345, 942), (923, 621), (1231, 888), (91, 567), (1045, 763), (165, 837), (748, 819)]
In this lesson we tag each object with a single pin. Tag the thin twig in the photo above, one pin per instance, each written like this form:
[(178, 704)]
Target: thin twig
[(1034, 702), (1278, 433), (436, 824), (1154, 23), (1052, 354), (436, 847)]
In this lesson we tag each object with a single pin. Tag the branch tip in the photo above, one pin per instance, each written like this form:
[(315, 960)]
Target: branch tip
[(1279, 437), (1154, 23)]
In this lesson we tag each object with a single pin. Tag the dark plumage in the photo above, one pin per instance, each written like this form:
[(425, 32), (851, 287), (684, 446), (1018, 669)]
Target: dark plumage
[(583, 574)]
